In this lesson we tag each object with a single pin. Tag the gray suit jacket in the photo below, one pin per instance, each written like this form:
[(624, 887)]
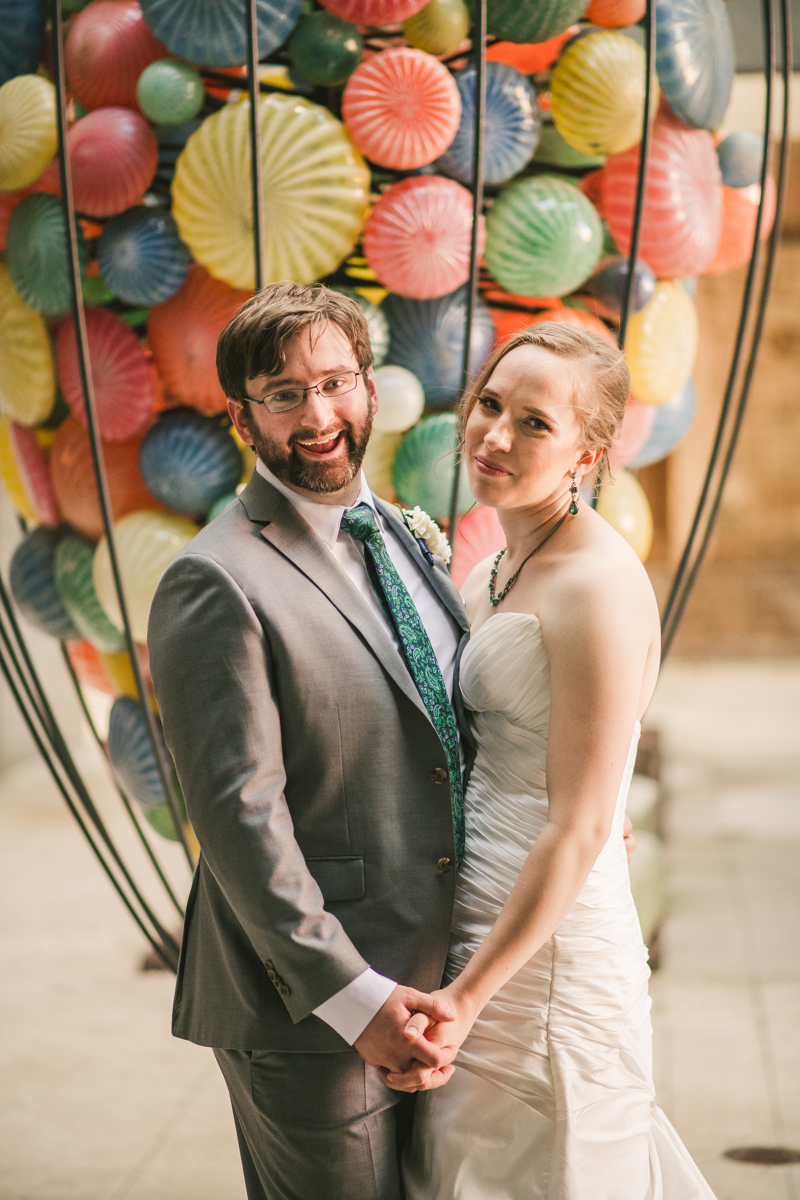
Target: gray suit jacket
[(308, 764)]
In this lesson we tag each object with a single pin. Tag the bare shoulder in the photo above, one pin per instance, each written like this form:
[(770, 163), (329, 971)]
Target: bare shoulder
[(474, 587), (603, 582)]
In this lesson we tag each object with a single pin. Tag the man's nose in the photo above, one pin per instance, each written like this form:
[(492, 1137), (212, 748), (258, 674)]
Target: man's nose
[(317, 412)]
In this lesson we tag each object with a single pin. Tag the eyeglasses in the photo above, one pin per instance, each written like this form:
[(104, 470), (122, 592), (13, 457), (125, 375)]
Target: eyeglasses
[(289, 398)]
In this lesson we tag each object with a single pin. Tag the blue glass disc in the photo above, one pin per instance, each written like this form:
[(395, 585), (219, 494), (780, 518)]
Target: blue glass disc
[(142, 257), (212, 32), (695, 59), (427, 337), (512, 125)]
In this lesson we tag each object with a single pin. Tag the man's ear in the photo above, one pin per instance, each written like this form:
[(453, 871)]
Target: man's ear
[(372, 388), (236, 414)]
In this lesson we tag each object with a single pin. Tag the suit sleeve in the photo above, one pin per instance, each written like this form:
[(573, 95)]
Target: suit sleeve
[(213, 681)]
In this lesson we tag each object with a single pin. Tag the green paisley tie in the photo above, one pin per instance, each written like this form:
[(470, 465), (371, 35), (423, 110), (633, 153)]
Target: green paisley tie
[(360, 523)]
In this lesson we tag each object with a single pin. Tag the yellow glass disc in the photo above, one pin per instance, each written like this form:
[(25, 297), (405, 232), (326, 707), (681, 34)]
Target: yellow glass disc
[(315, 192)]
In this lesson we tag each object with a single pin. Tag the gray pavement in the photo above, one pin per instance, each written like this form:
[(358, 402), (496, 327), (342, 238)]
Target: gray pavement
[(99, 1102)]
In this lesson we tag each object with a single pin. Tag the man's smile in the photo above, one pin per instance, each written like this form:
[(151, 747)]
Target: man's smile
[(321, 447)]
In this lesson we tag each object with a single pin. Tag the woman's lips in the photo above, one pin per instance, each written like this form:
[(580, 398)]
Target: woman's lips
[(489, 468)]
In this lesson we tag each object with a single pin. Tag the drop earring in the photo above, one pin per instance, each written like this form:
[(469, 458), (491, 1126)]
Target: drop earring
[(573, 508)]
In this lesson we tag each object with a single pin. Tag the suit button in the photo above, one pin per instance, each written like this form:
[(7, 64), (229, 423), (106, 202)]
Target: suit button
[(285, 990), (438, 775), (269, 964), (444, 865), (272, 976)]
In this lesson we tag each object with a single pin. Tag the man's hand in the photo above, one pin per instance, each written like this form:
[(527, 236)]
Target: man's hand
[(384, 1045), (627, 837), (421, 1031)]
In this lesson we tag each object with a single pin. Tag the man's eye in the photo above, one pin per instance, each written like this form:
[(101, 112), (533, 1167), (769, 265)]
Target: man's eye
[(333, 385), (283, 397)]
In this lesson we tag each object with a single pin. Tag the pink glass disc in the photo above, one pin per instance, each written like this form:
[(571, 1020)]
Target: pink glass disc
[(478, 534), (682, 214), (122, 382), (401, 108), (739, 217), (32, 467), (114, 155), (417, 238), (373, 12), (637, 425)]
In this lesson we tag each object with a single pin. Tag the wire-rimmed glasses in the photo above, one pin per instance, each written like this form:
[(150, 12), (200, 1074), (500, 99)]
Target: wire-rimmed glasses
[(288, 398)]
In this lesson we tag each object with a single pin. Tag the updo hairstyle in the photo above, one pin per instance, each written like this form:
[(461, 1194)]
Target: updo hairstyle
[(603, 387)]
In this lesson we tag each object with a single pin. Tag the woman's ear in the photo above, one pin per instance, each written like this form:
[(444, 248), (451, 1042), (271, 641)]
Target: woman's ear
[(589, 459)]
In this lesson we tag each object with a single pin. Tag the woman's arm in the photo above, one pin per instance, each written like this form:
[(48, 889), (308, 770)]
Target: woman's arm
[(597, 640)]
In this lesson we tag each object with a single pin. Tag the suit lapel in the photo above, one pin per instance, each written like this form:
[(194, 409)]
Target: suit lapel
[(437, 575), (285, 529), (439, 578)]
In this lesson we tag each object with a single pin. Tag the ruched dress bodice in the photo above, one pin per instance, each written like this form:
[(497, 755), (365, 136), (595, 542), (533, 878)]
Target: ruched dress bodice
[(553, 1097)]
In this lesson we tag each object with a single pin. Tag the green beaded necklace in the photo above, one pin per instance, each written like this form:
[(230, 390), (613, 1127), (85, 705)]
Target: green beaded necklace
[(495, 600)]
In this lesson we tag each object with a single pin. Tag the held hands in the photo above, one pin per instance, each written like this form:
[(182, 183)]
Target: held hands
[(414, 1038), (385, 1045), (423, 1033)]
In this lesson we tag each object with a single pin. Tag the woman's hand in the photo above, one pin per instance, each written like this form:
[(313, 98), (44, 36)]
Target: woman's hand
[(420, 1028)]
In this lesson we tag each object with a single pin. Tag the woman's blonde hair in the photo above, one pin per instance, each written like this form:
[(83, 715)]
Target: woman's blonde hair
[(600, 395)]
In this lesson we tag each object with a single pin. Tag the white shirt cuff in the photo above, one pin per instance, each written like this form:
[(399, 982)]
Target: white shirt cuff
[(350, 1010)]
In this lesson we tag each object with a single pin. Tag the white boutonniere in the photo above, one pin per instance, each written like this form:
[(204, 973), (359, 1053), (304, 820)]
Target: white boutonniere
[(427, 532)]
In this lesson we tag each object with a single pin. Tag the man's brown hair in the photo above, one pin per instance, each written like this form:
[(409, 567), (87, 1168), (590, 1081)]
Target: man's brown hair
[(252, 343)]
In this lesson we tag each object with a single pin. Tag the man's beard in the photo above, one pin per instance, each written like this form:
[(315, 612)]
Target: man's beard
[(285, 461)]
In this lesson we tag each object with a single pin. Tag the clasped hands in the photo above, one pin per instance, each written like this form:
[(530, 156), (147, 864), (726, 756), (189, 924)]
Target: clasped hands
[(414, 1038)]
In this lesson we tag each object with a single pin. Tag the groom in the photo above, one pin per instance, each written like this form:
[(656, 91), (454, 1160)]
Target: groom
[(304, 653)]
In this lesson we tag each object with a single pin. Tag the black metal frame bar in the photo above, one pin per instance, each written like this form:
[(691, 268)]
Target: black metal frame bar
[(25, 687), (478, 129), (255, 142), (644, 155), (132, 812), (697, 542), (90, 407), (19, 656)]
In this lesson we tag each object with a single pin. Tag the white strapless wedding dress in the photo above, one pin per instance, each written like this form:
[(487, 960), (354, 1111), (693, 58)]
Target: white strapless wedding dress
[(552, 1097)]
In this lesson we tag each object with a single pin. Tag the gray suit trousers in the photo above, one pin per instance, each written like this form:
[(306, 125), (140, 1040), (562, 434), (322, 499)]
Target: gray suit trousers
[(313, 1126)]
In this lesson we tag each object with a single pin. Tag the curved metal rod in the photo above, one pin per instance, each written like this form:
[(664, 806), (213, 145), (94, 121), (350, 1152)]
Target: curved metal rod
[(673, 618), (132, 813), (641, 179), (676, 596), (55, 738), (91, 417), (255, 142), (748, 299), (479, 35), (167, 949), (44, 711)]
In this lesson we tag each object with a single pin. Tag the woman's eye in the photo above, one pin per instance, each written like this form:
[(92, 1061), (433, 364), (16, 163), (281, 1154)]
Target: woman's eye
[(538, 424), (488, 402)]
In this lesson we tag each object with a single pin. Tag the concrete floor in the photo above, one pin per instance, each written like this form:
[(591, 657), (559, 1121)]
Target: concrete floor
[(99, 1102)]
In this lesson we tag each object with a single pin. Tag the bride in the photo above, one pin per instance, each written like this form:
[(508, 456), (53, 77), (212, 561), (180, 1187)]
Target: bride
[(551, 1095)]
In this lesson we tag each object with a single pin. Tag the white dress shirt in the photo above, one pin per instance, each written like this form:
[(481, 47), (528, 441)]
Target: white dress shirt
[(350, 1010)]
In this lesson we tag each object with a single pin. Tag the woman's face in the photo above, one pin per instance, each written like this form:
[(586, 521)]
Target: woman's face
[(523, 438)]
